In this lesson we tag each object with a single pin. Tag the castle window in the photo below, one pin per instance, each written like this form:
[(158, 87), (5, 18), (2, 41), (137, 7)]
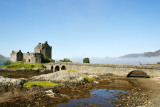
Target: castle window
[(29, 60)]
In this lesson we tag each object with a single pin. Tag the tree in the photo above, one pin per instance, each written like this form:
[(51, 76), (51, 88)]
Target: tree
[(86, 60), (8, 62), (65, 60)]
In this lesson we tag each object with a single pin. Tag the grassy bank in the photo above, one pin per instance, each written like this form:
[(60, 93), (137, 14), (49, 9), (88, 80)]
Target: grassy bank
[(22, 65), (39, 83)]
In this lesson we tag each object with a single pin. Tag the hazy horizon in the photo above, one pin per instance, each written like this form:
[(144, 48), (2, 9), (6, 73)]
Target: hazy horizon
[(118, 60)]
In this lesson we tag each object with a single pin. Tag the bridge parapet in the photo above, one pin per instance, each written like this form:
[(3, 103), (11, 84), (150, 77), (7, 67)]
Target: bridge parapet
[(117, 65), (117, 69)]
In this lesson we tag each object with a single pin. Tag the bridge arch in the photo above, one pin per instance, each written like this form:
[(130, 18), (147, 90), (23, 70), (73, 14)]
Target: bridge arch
[(51, 68), (63, 67), (138, 73), (57, 68)]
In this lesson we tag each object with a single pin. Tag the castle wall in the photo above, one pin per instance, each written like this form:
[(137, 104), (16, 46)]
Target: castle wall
[(16, 56), (47, 51), (19, 56), (38, 48), (13, 57), (32, 57)]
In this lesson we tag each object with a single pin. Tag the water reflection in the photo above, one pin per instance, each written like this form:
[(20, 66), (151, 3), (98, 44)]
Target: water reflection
[(98, 97)]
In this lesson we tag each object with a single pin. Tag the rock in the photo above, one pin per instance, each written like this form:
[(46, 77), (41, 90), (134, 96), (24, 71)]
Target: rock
[(66, 96), (50, 93), (61, 76), (95, 82), (42, 70), (4, 68), (92, 76), (36, 69), (13, 82), (23, 69)]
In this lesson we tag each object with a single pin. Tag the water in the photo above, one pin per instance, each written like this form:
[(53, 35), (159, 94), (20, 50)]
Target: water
[(98, 97)]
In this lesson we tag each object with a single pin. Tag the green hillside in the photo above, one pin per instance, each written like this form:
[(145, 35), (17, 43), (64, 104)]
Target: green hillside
[(2, 59)]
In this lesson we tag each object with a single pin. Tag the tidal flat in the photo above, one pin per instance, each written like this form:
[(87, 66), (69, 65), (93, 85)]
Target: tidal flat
[(102, 92)]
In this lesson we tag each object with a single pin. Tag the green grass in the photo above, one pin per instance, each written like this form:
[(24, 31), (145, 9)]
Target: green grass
[(22, 65), (39, 83), (89, 79)]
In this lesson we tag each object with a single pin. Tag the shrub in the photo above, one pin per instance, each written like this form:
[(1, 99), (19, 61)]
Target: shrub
[(86, 60), (46, 60), (8, 62), (65, 60)]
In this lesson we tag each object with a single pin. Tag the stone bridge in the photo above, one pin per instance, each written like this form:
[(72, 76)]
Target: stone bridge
[(120, 70)]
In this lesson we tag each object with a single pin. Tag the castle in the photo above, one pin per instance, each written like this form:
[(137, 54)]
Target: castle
[(41, 50)]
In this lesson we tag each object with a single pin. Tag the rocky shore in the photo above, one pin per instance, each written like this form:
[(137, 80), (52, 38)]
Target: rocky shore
[(74, 85)]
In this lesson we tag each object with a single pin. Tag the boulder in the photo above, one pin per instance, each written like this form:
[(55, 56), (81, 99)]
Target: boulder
[(50, 93), (60, 76), (23, 69), (9, 82), (1, 77), (4, 68), (36, 69)]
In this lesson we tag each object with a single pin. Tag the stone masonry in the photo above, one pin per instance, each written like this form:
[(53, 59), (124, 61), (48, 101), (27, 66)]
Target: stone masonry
[(43, 49), (16, 56), (102, 69)]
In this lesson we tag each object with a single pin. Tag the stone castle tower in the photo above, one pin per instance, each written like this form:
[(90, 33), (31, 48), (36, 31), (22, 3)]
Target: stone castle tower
[(44, 49), (16, 56), (41, 50)]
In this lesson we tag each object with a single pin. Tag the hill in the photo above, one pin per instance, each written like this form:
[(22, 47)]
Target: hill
[(2, 59), (146, 54)]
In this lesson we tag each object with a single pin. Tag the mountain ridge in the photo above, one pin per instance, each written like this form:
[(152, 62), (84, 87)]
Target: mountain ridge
[(3, 59), (145, 54)]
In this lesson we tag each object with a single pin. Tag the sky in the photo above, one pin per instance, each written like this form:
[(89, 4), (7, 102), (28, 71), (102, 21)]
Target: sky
[(80, 28)]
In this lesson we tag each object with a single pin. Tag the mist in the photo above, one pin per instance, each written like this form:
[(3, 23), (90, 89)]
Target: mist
[(126, 61)]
